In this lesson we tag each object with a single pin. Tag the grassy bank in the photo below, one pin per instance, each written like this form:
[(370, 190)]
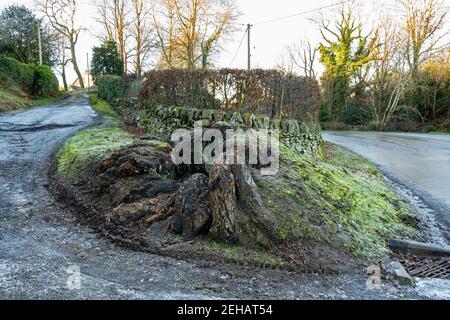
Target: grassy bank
[(103, 108), (26, 84), (87, 146), (342, 199), (12, 98)]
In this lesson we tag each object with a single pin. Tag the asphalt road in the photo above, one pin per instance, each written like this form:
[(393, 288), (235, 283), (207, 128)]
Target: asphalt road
[(420, 162), (42, 245)]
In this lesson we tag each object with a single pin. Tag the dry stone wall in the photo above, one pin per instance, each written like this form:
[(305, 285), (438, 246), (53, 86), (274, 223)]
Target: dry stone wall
[(303, 137)]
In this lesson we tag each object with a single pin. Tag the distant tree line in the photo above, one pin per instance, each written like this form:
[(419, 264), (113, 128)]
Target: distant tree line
[(166, 34), (391, 73)]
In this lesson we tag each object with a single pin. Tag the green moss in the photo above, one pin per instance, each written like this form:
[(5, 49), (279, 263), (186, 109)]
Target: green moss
[(77, 153), (342, 196), (46, 100), (160, 145)]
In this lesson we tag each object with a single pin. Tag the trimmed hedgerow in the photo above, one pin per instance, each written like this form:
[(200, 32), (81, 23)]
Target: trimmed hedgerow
[(45, 82), (15, 72), (269, 92), (110, 88), (32, 79)]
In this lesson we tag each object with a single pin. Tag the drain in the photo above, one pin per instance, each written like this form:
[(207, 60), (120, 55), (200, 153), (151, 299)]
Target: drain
[(438, 268)]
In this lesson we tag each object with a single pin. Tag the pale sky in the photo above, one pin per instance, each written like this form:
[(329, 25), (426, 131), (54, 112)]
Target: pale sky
[(268, 40)]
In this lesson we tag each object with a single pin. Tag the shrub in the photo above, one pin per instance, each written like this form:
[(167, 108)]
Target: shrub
[(269, 92), (110, 88), (324, 115), (15, 72), (446, 125), (32, 79), (429, 128), (45, 82), (356, 115), (135, 88), (106, 60), (404, 126), (336, 126)]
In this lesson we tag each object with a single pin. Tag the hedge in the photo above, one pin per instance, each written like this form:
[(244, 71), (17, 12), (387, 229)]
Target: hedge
[(32, 79), (268, 92), (110, 88), (45, 81), (15, 72)]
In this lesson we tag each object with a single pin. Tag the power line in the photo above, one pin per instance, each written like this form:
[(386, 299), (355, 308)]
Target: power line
[(239, 48), (278, 19), (302, 12), (39, 42), (249, 50)]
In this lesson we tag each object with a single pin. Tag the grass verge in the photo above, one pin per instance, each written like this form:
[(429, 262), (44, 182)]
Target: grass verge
[(342, 198), (87, 146), (102, 107), (14, 99)]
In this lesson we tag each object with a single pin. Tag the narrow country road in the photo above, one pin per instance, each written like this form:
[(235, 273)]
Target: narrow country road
[(39, 241), (420, 162), (42, 244)]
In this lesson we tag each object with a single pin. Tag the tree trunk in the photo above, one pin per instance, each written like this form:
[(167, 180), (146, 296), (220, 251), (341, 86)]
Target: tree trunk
[(138, 66), (223, 204), (192, 215), (63, 76), (238, 212), (75, 64)]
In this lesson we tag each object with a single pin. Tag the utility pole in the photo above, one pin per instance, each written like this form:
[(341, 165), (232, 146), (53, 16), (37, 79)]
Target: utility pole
[(249, 27), (40, 42), (88, 72)]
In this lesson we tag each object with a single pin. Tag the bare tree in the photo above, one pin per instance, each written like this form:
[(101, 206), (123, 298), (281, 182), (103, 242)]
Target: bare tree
[(188, 16), (114, 15), (141, 34), (189, 31), (62, 17), (389, 74), (62, 61), (302, 56), (165, 22), (218, 24), (423, 19), (284, 61)]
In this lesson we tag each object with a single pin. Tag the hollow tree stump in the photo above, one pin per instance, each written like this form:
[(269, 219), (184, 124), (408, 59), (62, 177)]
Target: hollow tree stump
[(222, 200), (238, 212), (192, 215)]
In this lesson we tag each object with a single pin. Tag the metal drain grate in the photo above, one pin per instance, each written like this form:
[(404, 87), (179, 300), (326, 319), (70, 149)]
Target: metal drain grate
[(428, 267)]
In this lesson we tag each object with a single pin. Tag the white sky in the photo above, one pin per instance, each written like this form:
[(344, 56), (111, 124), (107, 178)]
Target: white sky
[(268, 40)]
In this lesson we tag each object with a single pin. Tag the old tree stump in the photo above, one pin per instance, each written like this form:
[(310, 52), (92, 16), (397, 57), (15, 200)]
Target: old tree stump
[(225, 205), (221, 202)]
